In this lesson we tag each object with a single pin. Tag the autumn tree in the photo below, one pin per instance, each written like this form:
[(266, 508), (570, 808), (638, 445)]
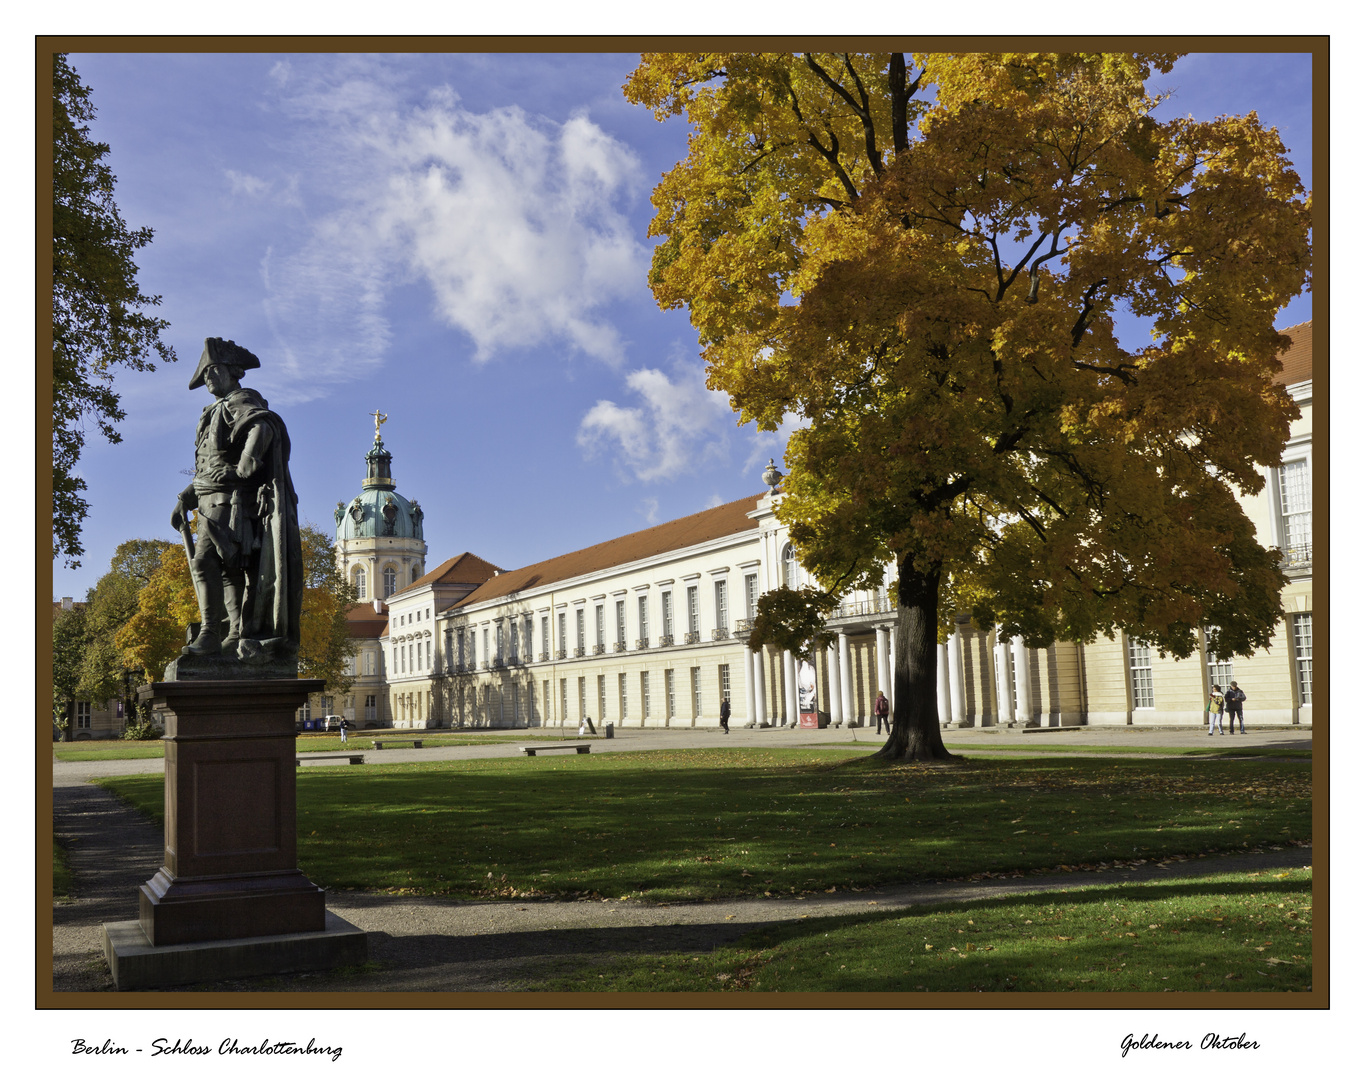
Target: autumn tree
[(325, 648), (923, 259), (166, 606), (110, 604), (98, 317)]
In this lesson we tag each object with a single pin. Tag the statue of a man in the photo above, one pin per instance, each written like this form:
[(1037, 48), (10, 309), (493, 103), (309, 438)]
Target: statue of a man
[(246, 560)]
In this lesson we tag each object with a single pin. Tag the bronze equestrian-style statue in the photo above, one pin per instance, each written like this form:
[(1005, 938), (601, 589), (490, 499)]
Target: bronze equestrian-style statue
[(244, 554)]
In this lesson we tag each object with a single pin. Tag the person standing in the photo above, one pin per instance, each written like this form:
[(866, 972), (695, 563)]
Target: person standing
[(1213, 709), (342, 728), (1233, 700), (725, 716), (882, 708)]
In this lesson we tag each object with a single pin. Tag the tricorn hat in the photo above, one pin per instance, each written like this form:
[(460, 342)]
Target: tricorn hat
[(221, 351)]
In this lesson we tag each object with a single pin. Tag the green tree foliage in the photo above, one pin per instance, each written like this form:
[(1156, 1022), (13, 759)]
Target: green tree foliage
[(68, 652), (325, 643), (97, 321), (922, 259)]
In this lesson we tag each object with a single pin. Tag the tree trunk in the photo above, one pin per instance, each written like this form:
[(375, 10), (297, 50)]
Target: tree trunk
[(915, 734)]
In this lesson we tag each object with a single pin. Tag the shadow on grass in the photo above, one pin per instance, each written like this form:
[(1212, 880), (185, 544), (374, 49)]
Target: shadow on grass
[(705, 823)]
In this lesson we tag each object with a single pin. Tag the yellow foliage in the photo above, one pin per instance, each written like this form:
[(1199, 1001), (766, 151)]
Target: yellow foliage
[(923, 260)]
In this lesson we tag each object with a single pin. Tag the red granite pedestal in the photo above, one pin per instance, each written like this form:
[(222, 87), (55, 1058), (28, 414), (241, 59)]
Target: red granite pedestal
[(230, 870)]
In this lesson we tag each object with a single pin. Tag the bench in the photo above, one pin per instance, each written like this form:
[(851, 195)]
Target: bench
[(379, 743), (580, 747), (354, 759)]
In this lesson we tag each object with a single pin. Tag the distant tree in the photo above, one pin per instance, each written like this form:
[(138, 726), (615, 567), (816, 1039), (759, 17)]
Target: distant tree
[(97, 323), (68, 653), (930, 279), (166, 605), (325, 646), (109, 606)]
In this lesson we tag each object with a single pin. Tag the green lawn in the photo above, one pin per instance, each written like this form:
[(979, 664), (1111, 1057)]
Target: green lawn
[(691, 824), (1242, 932), (1214, 751), (127, 750)]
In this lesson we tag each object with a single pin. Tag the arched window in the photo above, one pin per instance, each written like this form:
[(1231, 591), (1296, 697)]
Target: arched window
[(360, 583), (789, 567), (390, 581), (416, 573)]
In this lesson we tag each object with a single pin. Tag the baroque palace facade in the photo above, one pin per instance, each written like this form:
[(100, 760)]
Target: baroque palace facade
[(649, 629)]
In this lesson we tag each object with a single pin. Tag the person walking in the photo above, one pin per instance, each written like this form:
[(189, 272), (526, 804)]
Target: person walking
[(725, 716), (882, 708), (1213, 709), (1233, 700), (342, 728)]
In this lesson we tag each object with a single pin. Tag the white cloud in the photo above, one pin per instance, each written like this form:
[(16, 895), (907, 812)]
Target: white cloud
[(678, 426), (515, 223), (772, 444)]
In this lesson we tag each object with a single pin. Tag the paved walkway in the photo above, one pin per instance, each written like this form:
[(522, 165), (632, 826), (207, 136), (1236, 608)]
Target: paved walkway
[(443, 945)]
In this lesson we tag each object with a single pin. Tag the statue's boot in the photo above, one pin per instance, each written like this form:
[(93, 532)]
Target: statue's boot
[(208, 588), (232, 600)]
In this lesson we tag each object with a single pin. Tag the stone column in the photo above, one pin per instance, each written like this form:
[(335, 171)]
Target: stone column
[(945, 706), (836, 702), (883, 669), (891, 664), (760, 692), (846, 681), (1023, 684), (789, 687), (957, 683), (1004, 694), (750, 695)]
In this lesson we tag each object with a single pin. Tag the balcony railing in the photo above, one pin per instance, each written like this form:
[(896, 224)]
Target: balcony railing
[(691, 637), (743, 627), (598, 649), (665, 640), (618, 646), (878, 605), (561, 654), (1297, 557), (642, 643), (579, 651), (720, 633), (544, 657)]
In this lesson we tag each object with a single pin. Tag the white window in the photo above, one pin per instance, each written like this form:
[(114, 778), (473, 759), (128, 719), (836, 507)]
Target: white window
[(1140, 674), (667, 600), (722, 605), (1220, 668), (563, 634), (789, 567), (359, 579), (369, 662), (582, 697), (83, 714), (668, 691), (1296, 512), (563, 700), (512, 638), (545, 635), (644, 694), (750, 596), (499, 654), (581, 633), (696, 692), (621, 623), (601, 697), (370, 707), (1303, 656), (693, 611), (644, 621), (600, 615), (390, 581), (724, 682), (624, 703), (526, 636), (486, 653)]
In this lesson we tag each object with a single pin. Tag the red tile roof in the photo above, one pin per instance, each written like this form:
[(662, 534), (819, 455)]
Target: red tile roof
[(362, 621), (1298, 358), (463, 569), (726, 520)]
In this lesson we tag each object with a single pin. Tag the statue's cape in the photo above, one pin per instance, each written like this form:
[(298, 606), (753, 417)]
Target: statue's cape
[(274, 596)]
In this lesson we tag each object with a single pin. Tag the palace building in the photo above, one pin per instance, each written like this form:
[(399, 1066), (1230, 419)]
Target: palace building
[(650, 629)]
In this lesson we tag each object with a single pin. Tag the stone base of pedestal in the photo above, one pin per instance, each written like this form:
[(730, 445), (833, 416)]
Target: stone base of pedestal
[(137, 964), (179, 912)]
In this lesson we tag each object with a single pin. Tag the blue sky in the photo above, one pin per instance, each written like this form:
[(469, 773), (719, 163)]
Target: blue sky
[(460, 242)]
